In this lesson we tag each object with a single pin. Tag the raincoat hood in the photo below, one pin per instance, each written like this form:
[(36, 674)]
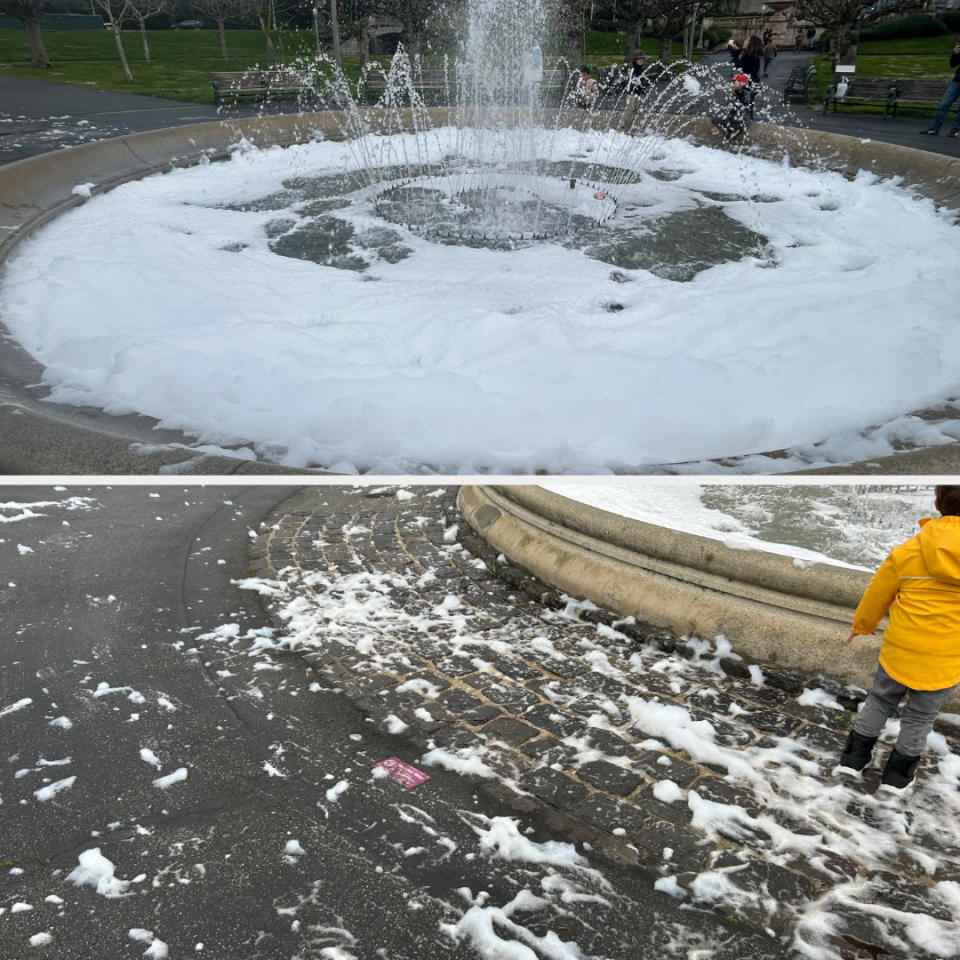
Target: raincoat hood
[(940, 546)]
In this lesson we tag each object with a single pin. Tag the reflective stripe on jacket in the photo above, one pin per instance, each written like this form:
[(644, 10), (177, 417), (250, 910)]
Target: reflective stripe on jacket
[(919, 583)]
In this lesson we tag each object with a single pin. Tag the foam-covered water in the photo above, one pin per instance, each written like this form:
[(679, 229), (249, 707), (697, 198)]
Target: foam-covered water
[(728, 306)]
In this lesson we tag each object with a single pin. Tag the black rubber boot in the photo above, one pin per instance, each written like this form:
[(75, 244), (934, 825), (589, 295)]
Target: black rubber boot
[(856, 752), (899, 772)]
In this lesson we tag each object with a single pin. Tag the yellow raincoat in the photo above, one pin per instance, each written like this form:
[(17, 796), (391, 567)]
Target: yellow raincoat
[(919, 583)]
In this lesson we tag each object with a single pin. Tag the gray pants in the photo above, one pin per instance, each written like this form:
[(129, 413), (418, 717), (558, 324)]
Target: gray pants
[(916, 719)]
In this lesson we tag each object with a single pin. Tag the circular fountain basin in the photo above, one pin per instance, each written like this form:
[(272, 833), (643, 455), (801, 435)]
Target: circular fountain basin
[(567, 352)]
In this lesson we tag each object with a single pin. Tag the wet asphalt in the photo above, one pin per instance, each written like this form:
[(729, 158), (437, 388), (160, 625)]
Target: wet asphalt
[(120, 613)]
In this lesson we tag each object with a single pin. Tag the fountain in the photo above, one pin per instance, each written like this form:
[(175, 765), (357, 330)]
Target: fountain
[(498, 286)]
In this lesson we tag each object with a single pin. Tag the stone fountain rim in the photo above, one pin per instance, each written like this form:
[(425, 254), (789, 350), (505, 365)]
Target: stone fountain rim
[(47, 439)]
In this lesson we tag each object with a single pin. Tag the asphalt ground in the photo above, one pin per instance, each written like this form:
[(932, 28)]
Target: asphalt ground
[(38, 115), (129, 655)]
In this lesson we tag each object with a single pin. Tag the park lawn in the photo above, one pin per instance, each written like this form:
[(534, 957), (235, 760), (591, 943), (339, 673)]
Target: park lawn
[(180, 65)]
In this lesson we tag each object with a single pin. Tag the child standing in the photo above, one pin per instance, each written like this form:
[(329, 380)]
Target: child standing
[(733, 121), (919, 583)]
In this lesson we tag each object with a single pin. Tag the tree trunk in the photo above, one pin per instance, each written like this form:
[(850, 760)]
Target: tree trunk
[(38, 52), (143, 37), (123, 54), (666, 41), (575, 48), (266, 30), (221, 29), (363, 45), (843, 45), (634, 38)]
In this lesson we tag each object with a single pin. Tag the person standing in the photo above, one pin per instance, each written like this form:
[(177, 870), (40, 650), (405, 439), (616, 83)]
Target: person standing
[(532, 75), (950, 97), (769, 55), (587, 90), (751, 62), (919, 583), (636, 90), (734, 48)]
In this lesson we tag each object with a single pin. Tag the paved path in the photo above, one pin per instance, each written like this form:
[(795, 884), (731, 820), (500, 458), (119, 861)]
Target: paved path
[(38, 115), (903, 131), (665, 755), (148, 712)]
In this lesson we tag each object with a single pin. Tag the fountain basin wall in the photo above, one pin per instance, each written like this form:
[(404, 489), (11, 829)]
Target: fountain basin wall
[(770, 609), (41, 438)]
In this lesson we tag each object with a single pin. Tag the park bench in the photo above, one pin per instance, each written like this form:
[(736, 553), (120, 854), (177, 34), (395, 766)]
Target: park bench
[(797, 89), (280, 83), (430, 83), (889, 91), (866, 90)]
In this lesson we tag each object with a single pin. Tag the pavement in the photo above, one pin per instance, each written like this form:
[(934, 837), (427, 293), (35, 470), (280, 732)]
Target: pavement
[(657, 752), (38, 115), (176, 781)]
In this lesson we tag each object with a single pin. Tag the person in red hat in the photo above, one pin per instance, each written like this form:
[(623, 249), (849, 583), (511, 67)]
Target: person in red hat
[(733, 121)]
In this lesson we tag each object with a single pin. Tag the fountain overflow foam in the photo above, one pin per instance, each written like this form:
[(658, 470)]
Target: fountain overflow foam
[(432, 294)]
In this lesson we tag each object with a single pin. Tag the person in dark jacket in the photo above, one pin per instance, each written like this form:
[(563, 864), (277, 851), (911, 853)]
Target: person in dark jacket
[(636, 90), (950, 97), (751, 63)]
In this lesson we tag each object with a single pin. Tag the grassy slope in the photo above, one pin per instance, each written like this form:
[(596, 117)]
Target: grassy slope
[(182, 60), (180, 66)]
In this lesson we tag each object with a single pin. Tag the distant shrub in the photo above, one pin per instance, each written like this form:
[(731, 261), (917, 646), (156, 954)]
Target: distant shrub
[(952, 19), (716, 36), (918, 25)]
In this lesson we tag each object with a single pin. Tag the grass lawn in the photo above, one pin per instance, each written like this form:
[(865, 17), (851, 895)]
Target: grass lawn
[(897, 59), (181, 61), (180, 65)]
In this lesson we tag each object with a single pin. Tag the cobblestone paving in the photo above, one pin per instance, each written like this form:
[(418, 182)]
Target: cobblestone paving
[(653, 749)]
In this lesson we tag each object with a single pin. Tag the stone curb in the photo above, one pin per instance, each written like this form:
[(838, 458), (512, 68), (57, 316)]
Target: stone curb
[(37, 189), (761, 602)]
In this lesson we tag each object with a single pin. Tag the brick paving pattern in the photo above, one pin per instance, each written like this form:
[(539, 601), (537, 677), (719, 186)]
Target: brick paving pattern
[(393, 599)]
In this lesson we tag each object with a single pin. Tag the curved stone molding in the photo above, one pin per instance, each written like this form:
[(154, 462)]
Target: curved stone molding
[(43, 438), (772, 609)]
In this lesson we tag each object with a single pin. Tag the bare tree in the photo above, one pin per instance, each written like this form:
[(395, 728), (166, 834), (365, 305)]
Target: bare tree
[(841, 18), (572, 16), (264, 14), (28, 13), (220, 11), (141, 11), (116, 11)]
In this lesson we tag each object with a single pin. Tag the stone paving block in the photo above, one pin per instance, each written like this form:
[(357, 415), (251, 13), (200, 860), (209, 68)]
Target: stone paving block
[(509, 731), (554, 787), (609, 777), (606, 741), (515, 668), (549, 750), (661, 766), (457, 700), (565, 667), (550, 719), (770, 721), (821, 716), (721, 791), (675, 810), (608, 814), (456, 738), (759, 694), (689, 850), (480, 680), (820, 740), (455, 666), (511, 696)]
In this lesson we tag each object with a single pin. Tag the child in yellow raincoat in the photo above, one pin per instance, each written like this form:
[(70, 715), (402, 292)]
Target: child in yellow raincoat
[(919, 583)]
